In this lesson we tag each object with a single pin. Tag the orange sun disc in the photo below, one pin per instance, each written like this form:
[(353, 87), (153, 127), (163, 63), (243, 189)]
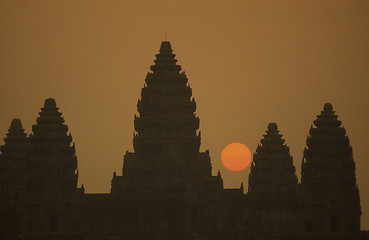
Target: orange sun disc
[(236, 157)]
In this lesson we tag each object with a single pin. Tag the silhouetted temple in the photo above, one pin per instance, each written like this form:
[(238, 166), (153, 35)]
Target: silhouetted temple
[(167, 190), (272, 196), (328, 182)]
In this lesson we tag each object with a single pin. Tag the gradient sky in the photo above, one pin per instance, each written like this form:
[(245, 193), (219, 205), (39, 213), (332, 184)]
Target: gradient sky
[(249, 63)]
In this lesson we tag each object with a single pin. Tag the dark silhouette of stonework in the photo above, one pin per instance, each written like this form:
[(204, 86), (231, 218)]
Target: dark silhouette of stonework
[(167, 190), (272, 196), (328, 183)]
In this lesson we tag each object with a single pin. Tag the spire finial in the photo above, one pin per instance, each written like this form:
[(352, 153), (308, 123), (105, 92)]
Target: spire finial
[(328, 107), (50, 103), (165, 34), (16, 124)]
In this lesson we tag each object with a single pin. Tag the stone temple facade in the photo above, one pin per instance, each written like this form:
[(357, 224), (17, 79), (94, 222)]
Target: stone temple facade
[(167, 190)]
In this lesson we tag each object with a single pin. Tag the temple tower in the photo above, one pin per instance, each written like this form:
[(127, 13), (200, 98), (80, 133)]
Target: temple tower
[(272, 194), (166, 142), (52, 156), (167, 117), (13, 153), (167, 177), (51, 205), (12, 161), (328, 183)]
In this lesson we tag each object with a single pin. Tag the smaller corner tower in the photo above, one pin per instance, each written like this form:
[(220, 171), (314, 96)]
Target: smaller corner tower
[(12, 161), (272, 195), (13, 152), (328, 183), (52, 199), (52, 155), (272, 174)]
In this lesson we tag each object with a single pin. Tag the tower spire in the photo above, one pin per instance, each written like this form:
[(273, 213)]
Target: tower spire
[(272, 173), (328, 176), (14, 151), (15, 138), (51, 147), (166, 141)]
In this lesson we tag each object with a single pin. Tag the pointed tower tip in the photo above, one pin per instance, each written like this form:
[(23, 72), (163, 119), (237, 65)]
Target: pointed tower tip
[(166, 47), (328, 107), (15, 137), (272, 127), (16, 124), (50, 103)]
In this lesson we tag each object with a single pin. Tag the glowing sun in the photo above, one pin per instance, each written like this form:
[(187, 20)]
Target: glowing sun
[(236, 157)]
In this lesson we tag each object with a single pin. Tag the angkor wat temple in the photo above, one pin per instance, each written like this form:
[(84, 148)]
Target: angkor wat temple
[(167, 190)]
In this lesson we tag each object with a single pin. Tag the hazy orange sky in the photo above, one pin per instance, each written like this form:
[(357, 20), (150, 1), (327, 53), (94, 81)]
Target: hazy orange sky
[(249, 63)]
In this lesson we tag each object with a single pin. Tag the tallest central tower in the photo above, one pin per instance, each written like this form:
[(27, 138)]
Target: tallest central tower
[(166, 111), (166, 180), (166, 139)]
